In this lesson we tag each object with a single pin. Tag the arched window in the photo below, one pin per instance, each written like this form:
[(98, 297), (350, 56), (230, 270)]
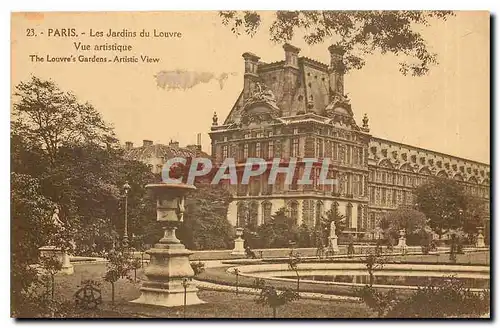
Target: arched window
[(253, 215), (294, 211), (319, 211), (360, 218), (335, 207), (348, 215), (365, 217), (372, 221), (267, 208), (241, 214), (308, 212)]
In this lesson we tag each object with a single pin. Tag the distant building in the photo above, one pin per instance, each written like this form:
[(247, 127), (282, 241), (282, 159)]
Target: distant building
[(155, 155), (297, 108)]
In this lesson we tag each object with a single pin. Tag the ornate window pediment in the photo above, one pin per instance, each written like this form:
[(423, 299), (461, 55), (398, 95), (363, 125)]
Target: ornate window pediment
[(406, 167), (385, 163), (442, 174), (425, 170)]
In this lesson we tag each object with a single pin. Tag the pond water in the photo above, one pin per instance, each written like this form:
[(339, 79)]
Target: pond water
[(480, 283)]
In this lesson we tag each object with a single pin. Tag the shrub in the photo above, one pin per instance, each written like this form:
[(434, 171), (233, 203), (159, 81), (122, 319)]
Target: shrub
[(450, 298)]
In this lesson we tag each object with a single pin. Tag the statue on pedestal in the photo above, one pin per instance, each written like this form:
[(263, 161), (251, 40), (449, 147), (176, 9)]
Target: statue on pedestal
[(402, 238), (333, 237), (54, 250), (332, 229), (480, 238), (55, 219)]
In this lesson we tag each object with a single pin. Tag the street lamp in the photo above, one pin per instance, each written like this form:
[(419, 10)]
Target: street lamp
[(126, 188)]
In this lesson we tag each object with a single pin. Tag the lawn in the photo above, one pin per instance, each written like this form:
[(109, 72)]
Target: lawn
[(219, 304), (227, 304)]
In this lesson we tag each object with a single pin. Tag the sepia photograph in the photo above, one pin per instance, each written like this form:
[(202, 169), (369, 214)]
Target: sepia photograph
[(305, 164)]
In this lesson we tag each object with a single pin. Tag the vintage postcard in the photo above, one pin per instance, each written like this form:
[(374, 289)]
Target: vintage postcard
[(250, 164)]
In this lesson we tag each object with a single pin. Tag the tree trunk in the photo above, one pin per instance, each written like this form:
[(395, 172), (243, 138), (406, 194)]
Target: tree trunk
[(113, 293), (371, 279), (298, 281), (53, 286), (274, 312)]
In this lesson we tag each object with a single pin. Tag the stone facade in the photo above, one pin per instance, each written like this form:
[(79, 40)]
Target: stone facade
[(296, 108)]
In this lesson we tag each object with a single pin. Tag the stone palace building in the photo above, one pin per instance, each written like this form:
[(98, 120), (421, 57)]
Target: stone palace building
[(297, 108)]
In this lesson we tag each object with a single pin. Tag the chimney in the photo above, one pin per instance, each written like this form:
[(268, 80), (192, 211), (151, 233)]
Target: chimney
[(290, 76), (146, 143), (198, 142), (174, 144), (336, 70), (291, 55), (129, 145), (251, 76)]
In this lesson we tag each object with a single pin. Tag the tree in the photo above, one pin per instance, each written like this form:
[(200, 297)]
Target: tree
[(304, 236), (51, 265), (205, 220), (359, 33), (50, 117), (278, 231), (475, 212), (30, 218), (78, 164), (271, 297), (378, 301), (293, 264), (411, 220), (373, 262), (443, 202), (118, 266)]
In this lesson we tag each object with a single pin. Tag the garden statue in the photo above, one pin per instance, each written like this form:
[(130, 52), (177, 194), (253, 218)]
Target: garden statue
[(56, 221), (332, 229), (480, 238), (402, 238), (333, 238), (54, 250)]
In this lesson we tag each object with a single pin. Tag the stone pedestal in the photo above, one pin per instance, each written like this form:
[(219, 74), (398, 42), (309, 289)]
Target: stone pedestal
[(480, 240), (169, 259), (168, 266), (239, 248), (53, 251), (333, 243), (402, 238)]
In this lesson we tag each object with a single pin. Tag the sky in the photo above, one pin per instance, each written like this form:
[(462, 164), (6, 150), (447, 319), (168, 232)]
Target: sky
[(447, 110)]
